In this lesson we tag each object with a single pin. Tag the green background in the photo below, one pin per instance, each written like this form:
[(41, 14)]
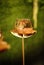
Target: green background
[(10, 10)]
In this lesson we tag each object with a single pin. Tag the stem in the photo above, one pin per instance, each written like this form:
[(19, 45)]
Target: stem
[(35, 12), (23, 50)]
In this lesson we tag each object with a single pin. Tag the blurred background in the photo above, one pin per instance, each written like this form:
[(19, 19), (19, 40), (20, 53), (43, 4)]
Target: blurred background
[(10, 10)]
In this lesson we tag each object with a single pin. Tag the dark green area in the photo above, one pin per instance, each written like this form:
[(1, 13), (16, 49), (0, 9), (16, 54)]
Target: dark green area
[(10, 10)]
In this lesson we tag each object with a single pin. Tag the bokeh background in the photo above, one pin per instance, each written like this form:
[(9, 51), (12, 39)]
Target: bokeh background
[(10, 10)]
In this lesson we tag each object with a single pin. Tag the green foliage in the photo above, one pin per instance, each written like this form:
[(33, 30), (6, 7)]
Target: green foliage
[(10, 10)]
